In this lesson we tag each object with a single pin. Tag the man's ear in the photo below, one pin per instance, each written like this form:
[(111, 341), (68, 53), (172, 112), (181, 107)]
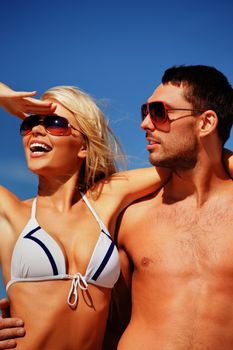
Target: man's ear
[(208, 122)]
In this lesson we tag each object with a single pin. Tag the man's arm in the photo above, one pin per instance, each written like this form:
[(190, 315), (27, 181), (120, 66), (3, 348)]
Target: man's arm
[(10, 328), (120, 310)]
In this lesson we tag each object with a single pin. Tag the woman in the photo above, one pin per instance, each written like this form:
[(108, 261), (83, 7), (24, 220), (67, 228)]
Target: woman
[(59, 262)]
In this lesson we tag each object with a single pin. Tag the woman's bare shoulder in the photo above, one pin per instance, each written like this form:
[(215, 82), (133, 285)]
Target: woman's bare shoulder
[(6, 196), (9, 202)]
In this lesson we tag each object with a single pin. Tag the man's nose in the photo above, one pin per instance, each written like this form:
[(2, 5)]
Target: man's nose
[(147, 124)]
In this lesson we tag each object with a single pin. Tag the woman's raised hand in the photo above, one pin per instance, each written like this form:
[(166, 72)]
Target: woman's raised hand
[(22, 103)]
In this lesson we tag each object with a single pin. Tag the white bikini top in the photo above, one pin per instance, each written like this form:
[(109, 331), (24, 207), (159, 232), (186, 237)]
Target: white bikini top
[(38, 257)]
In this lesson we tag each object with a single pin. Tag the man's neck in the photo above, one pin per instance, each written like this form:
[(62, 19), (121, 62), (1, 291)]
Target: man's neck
[(201, 182)]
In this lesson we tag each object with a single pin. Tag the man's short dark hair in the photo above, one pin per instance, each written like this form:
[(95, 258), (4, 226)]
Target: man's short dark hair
[(206, 88)]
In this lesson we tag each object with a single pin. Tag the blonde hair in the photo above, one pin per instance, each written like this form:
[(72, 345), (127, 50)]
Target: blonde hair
[(103, 149)]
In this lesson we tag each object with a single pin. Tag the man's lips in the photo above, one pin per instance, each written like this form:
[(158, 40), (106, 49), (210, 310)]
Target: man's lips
[(152, 143), (152, 140)]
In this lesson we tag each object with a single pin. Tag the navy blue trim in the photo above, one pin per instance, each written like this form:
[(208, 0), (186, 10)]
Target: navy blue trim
[(45, 249), (104, 261), (106, 234)]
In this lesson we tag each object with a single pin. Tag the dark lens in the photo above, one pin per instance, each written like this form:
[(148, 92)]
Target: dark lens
[(28, 124), (57, 126), (144, 111), (157, 112)]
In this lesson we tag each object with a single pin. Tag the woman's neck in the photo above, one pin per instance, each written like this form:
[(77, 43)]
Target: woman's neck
[(61, 191)]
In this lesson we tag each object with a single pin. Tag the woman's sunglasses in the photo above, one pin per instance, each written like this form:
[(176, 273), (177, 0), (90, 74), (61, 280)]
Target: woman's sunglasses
[(158, 112), (53, 124)]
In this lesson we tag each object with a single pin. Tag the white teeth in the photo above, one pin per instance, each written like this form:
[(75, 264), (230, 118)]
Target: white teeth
[(152, 142), (39, 147)]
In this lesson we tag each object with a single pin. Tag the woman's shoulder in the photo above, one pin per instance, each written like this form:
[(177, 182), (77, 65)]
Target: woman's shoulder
[(6, 196), (9, 202)]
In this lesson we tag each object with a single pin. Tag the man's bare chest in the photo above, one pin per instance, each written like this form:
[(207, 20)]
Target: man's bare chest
[(180, 240)]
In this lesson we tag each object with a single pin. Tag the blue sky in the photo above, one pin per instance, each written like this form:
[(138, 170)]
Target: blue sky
[(115, 50)]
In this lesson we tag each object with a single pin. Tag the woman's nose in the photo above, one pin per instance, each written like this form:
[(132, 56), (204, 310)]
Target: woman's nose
[(39, 129)]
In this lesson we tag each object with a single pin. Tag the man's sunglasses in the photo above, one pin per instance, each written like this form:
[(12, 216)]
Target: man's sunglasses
[(158, 112), (53, 124)]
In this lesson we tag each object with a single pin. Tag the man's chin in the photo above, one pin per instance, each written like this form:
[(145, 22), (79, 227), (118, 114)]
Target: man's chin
[(163, 163), (173, 163), (155, 161)]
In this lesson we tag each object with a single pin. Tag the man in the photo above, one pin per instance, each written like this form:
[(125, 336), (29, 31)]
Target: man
[(177, 245)]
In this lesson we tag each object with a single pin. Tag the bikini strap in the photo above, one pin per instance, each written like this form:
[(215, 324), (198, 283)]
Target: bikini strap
[(84, 197), (100, 222), (33, 209)]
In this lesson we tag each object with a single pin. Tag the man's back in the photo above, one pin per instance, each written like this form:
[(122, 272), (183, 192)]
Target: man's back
[(182, 281)]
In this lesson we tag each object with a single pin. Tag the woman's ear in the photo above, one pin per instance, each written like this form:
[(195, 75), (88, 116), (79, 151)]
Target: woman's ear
[(82, 153), (208, 122)]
